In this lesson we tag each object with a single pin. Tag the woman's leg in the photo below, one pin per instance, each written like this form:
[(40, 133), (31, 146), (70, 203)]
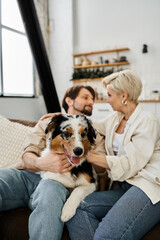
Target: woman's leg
[(90, 212), (130, 218)]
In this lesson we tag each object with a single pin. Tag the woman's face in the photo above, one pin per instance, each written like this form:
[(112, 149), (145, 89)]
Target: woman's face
[(114, 99)]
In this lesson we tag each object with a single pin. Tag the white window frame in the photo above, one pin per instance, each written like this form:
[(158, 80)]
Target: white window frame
[(1, 62)]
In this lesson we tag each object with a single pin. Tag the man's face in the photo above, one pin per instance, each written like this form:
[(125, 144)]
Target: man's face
[(83, 103)]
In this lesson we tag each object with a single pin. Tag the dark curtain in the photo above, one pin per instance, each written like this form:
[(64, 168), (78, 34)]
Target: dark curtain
[(31, 23)]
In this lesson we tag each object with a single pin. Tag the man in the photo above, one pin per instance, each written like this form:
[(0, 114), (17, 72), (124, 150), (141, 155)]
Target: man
[(20, 188), (77, 100)]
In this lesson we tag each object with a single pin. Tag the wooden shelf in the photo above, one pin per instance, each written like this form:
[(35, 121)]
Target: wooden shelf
[(87, 79), (102, 65), (149, 101), (115, 64), (99, 52), (140, 101)]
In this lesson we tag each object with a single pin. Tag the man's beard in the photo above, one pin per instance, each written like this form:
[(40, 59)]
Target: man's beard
[(86, 112), (83, 111)]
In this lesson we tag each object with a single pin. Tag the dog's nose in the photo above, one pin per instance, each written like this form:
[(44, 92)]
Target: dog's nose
[(77, 151)]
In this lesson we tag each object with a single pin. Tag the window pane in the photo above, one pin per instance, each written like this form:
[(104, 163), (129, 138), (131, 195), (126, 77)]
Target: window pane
[(17, 64), (11, 16)]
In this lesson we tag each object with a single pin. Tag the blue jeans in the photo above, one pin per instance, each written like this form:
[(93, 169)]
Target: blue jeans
[(19, 188), (125, 213)]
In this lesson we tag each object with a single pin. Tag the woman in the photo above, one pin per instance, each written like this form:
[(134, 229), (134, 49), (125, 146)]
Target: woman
[(132, 142)]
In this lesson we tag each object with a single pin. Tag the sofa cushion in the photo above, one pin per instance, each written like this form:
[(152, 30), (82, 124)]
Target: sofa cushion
[(14, 224), (12, 138)]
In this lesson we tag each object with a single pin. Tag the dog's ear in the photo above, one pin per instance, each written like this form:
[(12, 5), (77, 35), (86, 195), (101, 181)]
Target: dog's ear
[(91, 132), (55, 121)]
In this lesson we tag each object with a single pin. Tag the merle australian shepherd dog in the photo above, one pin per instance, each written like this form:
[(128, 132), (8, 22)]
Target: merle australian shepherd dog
[(73, 135)]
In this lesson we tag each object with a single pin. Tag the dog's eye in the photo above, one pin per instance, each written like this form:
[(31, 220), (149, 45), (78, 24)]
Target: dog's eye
[(66, 135), (83, 134)]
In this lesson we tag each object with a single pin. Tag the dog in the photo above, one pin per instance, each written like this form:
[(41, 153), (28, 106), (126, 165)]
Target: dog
[(75, 136)]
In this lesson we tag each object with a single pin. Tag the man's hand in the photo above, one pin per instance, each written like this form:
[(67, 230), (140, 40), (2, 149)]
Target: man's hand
[(54, 162), (49, 115)]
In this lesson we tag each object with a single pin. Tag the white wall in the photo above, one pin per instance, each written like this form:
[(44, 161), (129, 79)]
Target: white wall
[(61, 43), (87, 25), (105, 24), (22, 108)]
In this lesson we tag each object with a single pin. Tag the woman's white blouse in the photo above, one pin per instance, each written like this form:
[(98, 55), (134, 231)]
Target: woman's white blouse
[(116, 141), (138, 156)]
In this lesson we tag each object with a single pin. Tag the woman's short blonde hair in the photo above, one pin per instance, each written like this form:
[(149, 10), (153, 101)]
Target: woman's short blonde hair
[(124, 81)]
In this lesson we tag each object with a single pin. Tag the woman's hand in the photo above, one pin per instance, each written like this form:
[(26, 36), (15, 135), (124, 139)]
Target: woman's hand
[(49, 115), (97, 159)]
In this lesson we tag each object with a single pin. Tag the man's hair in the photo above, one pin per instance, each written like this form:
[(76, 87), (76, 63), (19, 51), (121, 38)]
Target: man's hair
[(73, 93)]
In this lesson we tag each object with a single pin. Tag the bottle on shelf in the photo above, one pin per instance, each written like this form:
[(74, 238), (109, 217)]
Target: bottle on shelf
[(86, 61)]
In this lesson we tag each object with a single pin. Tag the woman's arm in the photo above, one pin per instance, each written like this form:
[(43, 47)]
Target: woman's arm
[(137, 150), (97, 160)]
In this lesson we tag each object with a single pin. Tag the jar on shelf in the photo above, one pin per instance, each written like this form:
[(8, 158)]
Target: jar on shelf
[(78, 61), (154, 95)]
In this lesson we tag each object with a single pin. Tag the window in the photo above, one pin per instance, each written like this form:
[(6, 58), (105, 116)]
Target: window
[(16, 72)]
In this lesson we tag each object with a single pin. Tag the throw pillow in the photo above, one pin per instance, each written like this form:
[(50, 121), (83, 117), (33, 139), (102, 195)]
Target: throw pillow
[(12, 138)]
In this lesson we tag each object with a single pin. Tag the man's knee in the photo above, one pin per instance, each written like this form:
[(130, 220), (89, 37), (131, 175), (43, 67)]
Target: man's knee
[(49, 192), (50, 187), (7, 176), (5, 172)]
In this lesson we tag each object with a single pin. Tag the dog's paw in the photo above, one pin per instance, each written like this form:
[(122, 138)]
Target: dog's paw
[(68, 212)]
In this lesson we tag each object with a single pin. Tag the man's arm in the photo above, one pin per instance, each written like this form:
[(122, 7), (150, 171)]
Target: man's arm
[(49, 115), (35, 143), (53, 162)]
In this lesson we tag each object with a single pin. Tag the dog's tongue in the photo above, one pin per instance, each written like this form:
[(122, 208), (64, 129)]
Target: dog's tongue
[(75, 160)]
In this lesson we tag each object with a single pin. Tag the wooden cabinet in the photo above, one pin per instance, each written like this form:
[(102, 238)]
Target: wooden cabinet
[(95, 68), (100, 111), (151, 106)]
